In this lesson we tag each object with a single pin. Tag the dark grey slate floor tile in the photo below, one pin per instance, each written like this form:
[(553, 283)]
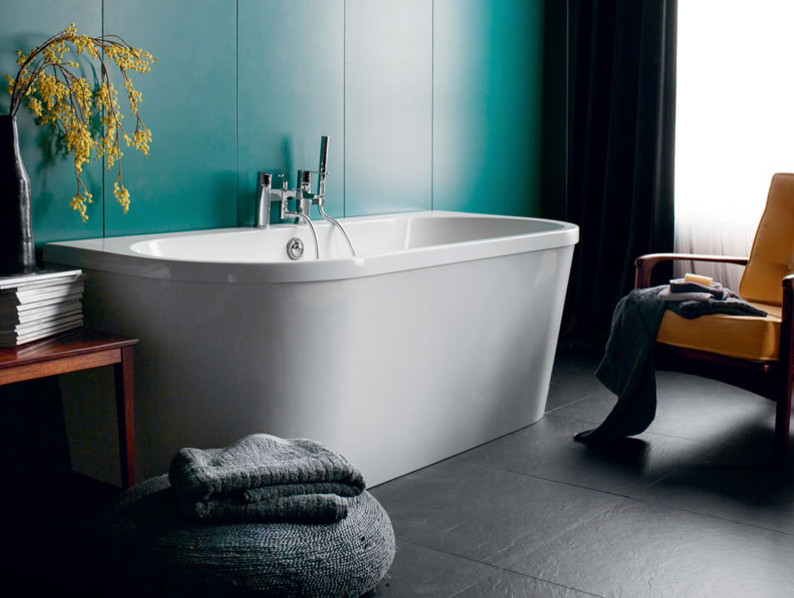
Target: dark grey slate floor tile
[(572, 378), (738, 482), (547, 450), (420, 571), (688, 407), (545, 511), (477, 512), (506, 584), (640, 549)]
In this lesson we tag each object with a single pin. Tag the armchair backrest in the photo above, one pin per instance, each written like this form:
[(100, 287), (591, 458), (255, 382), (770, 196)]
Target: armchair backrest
[(772, 255)]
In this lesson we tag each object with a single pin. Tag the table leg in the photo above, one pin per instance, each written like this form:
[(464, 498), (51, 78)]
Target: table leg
[(125, 416)]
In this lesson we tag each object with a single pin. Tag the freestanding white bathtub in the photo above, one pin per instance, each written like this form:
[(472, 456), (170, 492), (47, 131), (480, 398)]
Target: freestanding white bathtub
[(438, 337)]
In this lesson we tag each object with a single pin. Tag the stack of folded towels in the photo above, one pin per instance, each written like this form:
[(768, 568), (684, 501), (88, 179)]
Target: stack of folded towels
[(694, 296), (263, 478)]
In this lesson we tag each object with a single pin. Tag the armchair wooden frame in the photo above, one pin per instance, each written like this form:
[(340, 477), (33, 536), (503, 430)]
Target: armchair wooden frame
[(769, 379)]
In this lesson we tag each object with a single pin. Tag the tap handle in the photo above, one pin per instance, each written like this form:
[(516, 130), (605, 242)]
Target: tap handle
[(265, 179), (282, 181), (305, 180)]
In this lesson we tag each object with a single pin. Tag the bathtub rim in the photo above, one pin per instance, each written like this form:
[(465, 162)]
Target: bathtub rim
[(114, 254)]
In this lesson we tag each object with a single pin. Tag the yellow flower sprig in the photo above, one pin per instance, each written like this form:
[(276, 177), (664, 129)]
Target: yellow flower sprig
[(58, 97)]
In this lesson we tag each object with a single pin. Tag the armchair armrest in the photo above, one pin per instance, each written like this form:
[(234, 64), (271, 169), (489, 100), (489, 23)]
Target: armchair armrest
[(645, 263)]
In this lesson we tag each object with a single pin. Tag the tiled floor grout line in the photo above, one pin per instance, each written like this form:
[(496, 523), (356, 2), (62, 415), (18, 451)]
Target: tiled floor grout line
[(457, 556), (573, 402), (626, 496), (573, 484), (545, 479), (496, 568), (720, 443), (637, 498), (565, 529), (558, 533), (625, 500), (717, 517), (700, 442), (726, 440), (551, 583)]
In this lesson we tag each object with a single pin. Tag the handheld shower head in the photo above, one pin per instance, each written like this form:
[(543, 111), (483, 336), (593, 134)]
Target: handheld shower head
[(323, 169)]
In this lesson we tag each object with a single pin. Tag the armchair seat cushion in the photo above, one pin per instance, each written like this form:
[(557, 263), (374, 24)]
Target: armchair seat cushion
[(744, 337)]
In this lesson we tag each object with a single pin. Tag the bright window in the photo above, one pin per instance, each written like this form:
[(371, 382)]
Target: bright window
[(734, 121)]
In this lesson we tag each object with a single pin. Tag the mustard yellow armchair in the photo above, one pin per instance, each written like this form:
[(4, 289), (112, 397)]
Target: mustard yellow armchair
[(749, 352)]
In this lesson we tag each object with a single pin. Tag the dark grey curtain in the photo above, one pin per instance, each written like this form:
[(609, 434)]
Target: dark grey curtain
[(620, 143)]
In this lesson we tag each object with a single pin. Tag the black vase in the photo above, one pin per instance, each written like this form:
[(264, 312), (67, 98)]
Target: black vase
[(17, 255)]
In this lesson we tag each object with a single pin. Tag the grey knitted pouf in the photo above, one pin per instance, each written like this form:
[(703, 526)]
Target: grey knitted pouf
[(170, 553)]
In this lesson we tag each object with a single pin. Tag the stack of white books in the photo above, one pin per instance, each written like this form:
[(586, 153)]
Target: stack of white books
[(38, 305)]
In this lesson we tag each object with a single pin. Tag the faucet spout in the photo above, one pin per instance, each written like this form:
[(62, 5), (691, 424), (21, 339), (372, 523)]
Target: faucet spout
[(264, 186)]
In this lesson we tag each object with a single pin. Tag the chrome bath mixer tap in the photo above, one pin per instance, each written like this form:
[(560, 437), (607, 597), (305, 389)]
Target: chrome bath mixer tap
[(303, 195)]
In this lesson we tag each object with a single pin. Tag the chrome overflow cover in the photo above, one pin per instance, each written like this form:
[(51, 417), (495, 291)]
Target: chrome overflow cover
[(295, 248)]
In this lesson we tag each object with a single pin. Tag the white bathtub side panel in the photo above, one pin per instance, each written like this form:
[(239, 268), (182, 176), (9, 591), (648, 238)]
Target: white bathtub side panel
[(449, 358), (396, 371)]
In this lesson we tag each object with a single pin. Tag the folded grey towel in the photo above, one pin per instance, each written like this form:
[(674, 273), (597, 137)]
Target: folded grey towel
[(668, 295), (265, 478), (732, 306), (681, 285), (299, 508), (692, 300), (683, 290)]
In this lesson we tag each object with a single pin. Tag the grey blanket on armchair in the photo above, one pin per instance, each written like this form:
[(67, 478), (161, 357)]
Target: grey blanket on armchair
[(265, 478), (628, 369)]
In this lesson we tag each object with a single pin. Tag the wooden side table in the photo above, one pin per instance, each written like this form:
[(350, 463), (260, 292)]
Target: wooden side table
[(76, 350)]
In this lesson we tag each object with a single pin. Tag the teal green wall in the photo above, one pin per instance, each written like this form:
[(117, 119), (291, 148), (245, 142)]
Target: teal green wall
[(429, 104), (388, 106), (487, 92), (291, 92)]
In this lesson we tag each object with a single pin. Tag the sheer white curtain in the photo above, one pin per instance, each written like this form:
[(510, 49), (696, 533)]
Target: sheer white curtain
[(734, 123)]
